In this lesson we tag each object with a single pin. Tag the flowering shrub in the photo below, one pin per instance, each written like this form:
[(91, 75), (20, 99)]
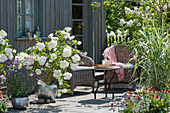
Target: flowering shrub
[(149, 101), (3, 103), (49, 60)]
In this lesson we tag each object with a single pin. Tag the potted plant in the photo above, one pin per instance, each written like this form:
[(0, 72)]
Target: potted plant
[(18, 83), (27, 32)]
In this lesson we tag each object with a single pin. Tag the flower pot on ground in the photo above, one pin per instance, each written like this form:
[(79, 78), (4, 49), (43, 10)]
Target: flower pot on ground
[(20, 102), (18, 83)]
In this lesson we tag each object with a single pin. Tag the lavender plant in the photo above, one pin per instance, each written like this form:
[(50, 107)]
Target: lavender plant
[(17, 80)]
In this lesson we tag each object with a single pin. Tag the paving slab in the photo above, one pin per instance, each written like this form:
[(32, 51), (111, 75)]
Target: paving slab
[(82, 101)]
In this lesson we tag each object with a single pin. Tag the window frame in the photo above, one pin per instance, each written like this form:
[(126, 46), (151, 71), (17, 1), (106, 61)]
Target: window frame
[(24, 14), (81, 20)]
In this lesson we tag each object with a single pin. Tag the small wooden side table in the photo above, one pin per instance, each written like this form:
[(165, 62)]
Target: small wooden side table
[(105, 68)]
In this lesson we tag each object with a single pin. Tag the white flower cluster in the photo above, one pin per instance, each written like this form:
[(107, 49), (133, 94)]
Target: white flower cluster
[(8, 51)]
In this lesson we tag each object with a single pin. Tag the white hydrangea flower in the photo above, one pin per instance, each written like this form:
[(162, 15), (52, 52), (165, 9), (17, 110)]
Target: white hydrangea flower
[(53, 56), (79, 43), (60, 82), (42, 60), (3, 79), (66, 35), (3, 33), (67, 29), (71, 37), (139, 24), (50, 35), (64, 90), (57, 74), (8, 51), (3, 58), (67, 76), (122, 22), (112, 34), (64, 64), (73, 66), (67, 51), (52, 44), (76, 58), (119, 32), (40, 46), (38, 71)]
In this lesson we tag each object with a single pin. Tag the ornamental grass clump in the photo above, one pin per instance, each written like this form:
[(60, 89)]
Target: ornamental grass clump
[(154, 56), (49, 60), (3, 103)]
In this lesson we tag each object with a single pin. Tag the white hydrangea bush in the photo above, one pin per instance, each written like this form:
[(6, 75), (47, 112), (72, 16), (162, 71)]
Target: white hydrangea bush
[(50, 60), (5, 51)]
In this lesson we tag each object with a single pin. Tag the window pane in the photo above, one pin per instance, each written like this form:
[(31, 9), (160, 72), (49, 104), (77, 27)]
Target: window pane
[(30, 22), (19, 23), (80, 47), (77, 12), (30, 6), (77, 1), (19, 6), (78, 28)]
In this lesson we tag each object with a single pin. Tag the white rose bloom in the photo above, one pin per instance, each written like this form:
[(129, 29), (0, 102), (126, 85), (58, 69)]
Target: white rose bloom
[(42, 60), (50, 35), (76, 58), (64, 64), (31, 75), (3, 42), (67, 76), (41, 83), (74, 66), (71, 37), (127, 10), (47, 65), (8, 51), (122, 22), (14, 50), (67, 29), (126, 32), (64, 90), (54, 38), (3, 79), (20, 66), (128, 24), (79, 43), (3, 58), (38, 71), (50, 60), (10, 56), (60, 82), (66, 35), (139, 24), (119, 32), (63, 32), (57, 74), (29, 67), (53, 56), (52, 44), (67, 51), (135, 8), (40, 46), (3, 33), (112, 34), (59, 95)]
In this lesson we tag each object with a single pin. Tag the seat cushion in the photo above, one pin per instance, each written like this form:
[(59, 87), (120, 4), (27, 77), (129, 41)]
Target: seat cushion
[(128, 65)]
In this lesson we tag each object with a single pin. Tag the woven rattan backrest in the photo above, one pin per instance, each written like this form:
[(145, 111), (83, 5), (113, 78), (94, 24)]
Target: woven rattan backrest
[(87, 61), (123, 53)]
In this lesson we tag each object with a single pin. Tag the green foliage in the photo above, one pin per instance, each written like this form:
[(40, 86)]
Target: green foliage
[(148, 101), (3, 103), (154, 50), (96, 5)]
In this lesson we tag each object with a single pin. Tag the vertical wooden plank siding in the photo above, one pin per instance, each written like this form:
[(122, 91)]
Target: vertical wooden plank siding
[(99, 35)]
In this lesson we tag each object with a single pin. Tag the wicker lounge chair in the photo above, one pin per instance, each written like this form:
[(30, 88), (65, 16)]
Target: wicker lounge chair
[(123, 55), (83, 76)]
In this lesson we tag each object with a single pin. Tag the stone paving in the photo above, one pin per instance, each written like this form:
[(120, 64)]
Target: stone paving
[(82, 101)]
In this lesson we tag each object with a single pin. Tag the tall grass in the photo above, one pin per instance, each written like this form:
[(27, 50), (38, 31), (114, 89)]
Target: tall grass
[(153, 46)]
